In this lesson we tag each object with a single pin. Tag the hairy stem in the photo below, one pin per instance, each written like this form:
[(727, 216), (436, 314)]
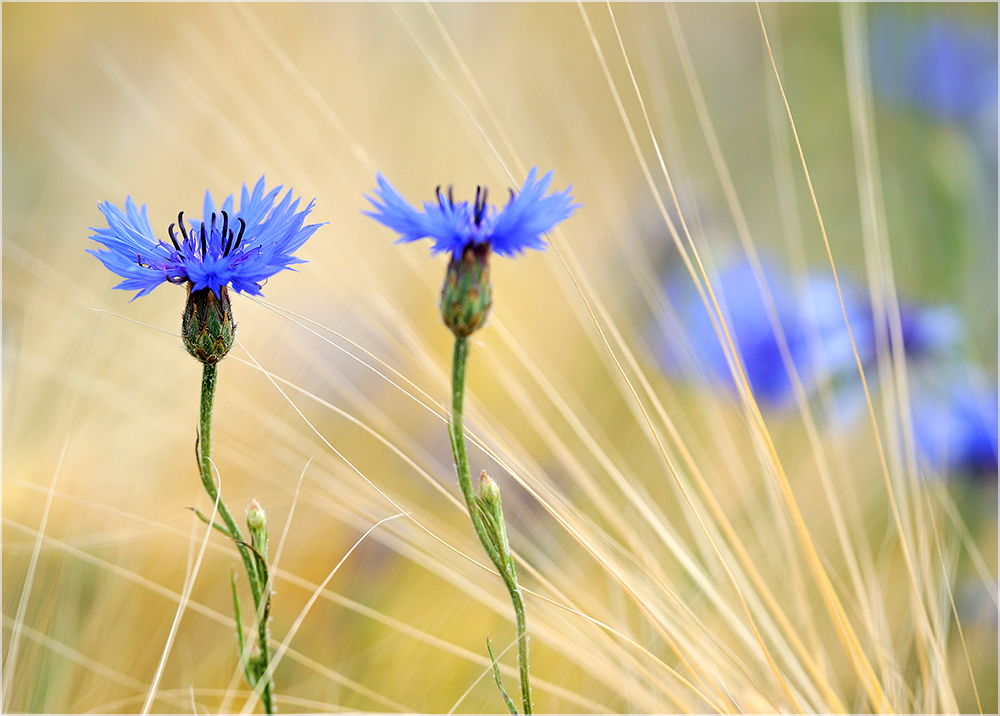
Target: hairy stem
[(503, 562), (209, 379)]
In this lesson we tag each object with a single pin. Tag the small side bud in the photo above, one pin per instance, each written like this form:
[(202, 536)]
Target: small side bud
[(207, 327), (257, 524), (467, 296), (489, 501), (489, 491)]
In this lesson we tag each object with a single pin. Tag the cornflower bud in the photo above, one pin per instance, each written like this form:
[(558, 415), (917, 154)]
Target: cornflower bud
[(489, 501), (208, 328), (467, 295), (489, 490), (257, 524)]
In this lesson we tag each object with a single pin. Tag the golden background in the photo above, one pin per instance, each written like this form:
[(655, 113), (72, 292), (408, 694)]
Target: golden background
[(161, 101)]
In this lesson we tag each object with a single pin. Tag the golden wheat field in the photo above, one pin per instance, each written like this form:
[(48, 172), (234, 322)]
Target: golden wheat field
[(684, 546)]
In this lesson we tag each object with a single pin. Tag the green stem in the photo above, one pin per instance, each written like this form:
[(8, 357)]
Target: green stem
[(522, 638), (503, 563), (209, 380)]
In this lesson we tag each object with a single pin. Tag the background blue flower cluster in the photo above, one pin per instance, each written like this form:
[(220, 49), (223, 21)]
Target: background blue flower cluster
[(784, 324)]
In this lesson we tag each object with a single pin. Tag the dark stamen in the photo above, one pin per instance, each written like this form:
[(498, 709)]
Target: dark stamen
[(180, 222), (204, 241), (437, 193), (451, 196), (225, 225), (243, 225), (512, 195), (173, 239), (480, 208)]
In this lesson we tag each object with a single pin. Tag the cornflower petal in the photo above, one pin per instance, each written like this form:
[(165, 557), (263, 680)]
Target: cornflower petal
[(530, 214), (402, 217)]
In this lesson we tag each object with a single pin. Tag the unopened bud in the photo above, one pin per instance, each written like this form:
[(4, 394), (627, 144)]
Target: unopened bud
[(467, 296), (489, 491), (207, 327), (489, 501), (257, 524)]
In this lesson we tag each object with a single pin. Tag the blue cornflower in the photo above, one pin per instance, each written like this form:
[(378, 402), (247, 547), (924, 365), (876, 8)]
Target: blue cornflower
[(955, 419), (812, 320), (930, 330), (947, 68), (469, 233), (953, 406), (454, 227), (746, 316), (240, 248)]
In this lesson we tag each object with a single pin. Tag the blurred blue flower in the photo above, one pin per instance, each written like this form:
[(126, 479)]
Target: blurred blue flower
[(955, 421), (518, 226), (946, 68), (954, 409), (240, 248), (810, 317), (929, 330)]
